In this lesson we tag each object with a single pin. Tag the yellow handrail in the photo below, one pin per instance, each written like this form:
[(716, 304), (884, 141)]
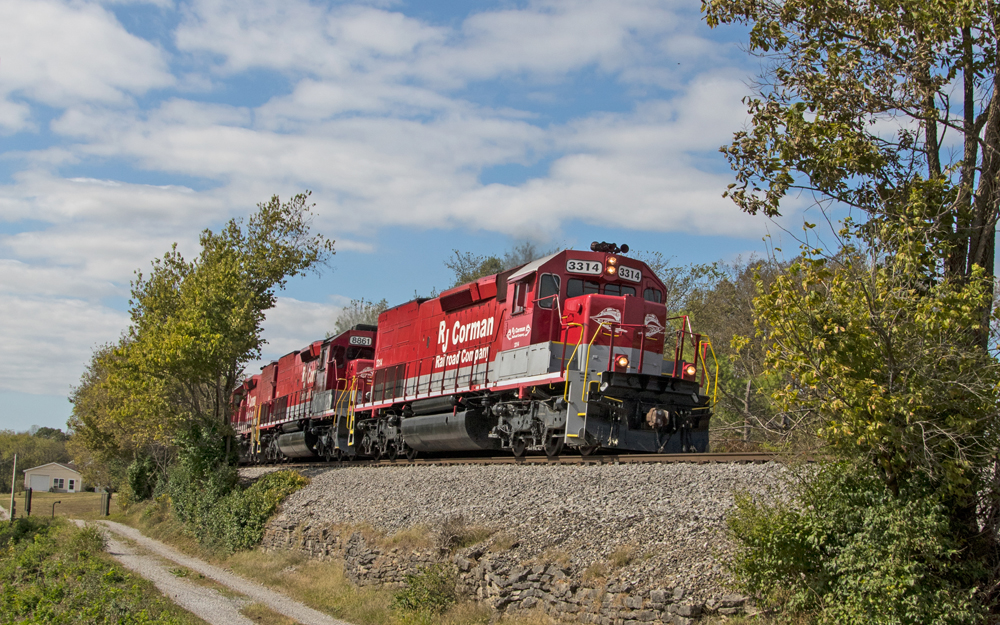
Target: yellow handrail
[(255, 436), (351, 401), (712, 383), (586, 367), (570, 361)]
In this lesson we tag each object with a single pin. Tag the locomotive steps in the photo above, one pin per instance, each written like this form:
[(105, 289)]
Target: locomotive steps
[(610, 543)]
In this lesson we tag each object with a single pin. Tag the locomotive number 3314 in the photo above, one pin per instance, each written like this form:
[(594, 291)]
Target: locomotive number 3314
[(584, 266)]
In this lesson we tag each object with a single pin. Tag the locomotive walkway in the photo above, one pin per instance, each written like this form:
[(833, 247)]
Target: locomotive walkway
[(207, 604)]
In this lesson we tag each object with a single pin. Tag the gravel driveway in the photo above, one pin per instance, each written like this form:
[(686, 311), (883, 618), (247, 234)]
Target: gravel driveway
[(207, 604)]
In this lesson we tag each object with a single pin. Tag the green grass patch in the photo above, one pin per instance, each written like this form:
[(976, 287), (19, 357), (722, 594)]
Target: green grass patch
[(56, 573)]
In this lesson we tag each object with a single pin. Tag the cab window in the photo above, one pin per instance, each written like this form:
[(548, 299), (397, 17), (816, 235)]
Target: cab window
[(520, 297), (576, 287), (628, 290), (612, 289), (548, 290), (653, 295), (338, 357)]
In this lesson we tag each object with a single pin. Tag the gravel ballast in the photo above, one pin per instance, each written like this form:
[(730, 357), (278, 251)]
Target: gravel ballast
[(670, 518)]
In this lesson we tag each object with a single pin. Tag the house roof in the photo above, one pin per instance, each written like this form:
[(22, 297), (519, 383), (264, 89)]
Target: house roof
[(65, 465)]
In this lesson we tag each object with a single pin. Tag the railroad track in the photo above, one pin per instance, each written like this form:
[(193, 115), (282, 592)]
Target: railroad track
[(596, 459)]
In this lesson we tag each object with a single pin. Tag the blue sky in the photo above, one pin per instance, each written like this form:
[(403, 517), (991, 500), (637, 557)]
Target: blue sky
[(420, 127)]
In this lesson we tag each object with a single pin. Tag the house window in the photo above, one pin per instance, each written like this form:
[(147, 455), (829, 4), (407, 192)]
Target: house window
[(58, 483), (71, 485)]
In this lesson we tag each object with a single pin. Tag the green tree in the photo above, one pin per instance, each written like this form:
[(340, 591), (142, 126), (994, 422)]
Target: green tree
[(891, 108), (875, 343), (359, 311), (863, 102), (32, 450), (195, 324), (721, 307)]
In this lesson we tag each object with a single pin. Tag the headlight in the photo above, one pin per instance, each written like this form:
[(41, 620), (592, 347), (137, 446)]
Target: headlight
[(622, 361), (611, 270), (612, 260), (689, 370)]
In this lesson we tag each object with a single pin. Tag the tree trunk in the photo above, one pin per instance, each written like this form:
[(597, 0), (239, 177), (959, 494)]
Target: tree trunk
[(746, 412)]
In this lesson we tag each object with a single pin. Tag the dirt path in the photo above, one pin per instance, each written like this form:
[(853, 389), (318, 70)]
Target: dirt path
[(207, 604), (276, 601)]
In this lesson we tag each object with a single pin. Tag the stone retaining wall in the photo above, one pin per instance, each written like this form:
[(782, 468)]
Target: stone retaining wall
[(493, 579)]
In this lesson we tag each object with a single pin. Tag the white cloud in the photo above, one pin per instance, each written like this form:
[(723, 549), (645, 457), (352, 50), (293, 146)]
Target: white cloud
[(389, 119), (47, 342), (41, 195), (544, 40), (59, 53)]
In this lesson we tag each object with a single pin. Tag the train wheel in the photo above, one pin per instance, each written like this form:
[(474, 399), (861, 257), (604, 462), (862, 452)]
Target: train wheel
[(391, 451), (411, 453), (589, 450), (553, 446), (517, 446)]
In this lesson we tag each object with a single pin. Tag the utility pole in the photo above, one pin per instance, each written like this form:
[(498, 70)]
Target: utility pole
[(13, 480)]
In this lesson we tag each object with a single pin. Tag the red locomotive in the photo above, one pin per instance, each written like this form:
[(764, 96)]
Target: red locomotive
[(566, 351)]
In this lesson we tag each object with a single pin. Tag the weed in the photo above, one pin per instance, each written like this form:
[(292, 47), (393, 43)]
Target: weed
[(554, 555), (260, 613), (623, 556), (503, 542), (431, 591), (456, 534), (416, 537), (596, 571)]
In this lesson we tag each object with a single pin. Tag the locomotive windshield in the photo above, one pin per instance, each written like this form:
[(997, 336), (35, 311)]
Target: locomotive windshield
[(619, 289), (354, 352), (548, 290), (576, 287)]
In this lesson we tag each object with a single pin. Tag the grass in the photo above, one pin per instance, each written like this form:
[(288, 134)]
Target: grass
[(54, 572), (260, 613), (74, 505), (623, 556)]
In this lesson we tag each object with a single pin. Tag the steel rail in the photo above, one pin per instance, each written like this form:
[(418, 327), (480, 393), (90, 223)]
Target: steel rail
[(595, 459)]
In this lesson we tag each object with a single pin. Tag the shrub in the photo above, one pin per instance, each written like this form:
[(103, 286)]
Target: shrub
[(846, 550), (237, 521), (431, 591), (141, 479)]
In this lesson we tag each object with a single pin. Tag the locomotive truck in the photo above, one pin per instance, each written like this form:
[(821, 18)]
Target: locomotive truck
[(565, 352)]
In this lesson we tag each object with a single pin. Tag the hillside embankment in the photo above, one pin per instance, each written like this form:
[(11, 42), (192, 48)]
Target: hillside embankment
[(596, 543)]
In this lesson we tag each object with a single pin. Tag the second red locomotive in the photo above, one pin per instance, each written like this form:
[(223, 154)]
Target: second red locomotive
[(564, 352)]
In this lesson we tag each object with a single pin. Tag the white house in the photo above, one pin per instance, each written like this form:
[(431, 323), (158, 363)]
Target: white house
[(54, 476)]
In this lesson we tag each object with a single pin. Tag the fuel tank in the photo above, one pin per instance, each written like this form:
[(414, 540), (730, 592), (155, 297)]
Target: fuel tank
[(466, 430), (298, 444)]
